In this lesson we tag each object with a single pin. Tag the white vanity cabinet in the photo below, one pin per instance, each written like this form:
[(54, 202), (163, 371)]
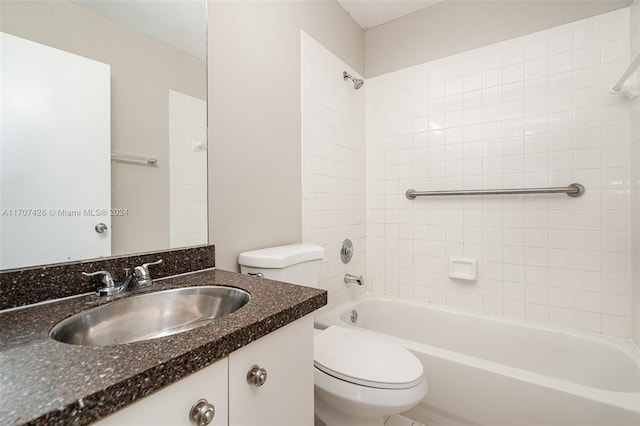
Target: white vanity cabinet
[(171, 405), (284, 398)]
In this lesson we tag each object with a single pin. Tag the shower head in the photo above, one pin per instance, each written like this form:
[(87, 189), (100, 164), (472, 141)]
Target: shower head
[(357, 82)]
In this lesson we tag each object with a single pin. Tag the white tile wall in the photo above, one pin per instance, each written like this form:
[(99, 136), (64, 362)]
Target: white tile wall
[(635, 181), (333, 166), (187, 170), (533, 111)]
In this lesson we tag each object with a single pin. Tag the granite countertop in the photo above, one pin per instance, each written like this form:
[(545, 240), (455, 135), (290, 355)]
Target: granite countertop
[(43, 381)]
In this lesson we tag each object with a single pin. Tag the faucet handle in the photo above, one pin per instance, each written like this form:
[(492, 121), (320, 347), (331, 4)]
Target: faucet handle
[(146, 265), (142, 275), (109, 288), (107, 279)]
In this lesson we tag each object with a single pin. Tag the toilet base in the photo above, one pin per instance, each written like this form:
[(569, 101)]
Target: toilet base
[(340, 403), (330, 417)]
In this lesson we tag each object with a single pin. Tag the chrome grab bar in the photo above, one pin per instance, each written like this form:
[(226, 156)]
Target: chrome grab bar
[(573, 190)]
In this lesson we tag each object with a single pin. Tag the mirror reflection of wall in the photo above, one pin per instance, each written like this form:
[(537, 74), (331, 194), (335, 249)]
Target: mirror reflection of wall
[(158, 109)]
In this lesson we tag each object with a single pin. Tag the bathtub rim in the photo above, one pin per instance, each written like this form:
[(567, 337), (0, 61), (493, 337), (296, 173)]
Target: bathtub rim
[(623, 400)]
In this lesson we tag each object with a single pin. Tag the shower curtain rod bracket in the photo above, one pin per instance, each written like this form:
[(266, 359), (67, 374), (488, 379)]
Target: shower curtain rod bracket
[(631, 94)]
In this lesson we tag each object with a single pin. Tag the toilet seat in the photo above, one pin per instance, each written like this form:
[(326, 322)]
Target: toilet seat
[(365, 359)]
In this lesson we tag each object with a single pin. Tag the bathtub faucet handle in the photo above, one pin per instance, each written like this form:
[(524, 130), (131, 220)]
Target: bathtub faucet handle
[(348, 279)]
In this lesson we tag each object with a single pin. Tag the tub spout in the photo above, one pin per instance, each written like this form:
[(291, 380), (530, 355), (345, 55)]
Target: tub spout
[(348, 279)]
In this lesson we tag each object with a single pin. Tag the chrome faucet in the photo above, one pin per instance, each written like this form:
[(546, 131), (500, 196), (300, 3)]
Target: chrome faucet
[(109, 288), (139, 276), (348, 279)]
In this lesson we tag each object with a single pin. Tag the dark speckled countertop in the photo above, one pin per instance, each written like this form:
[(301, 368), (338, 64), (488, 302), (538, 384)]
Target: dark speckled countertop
[(45, 382)]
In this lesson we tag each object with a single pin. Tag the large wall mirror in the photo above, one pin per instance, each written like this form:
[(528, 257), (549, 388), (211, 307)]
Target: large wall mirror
[(104, 138)]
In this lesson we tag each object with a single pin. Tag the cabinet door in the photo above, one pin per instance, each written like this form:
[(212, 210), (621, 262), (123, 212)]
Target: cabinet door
[(171, 405), (286, 398)]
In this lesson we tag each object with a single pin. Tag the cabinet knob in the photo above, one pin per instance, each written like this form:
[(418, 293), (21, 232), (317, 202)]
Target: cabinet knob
[(256, 376), (202, 412)]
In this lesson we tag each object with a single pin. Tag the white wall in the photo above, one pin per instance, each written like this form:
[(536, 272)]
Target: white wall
[(255, 147), (635, 180), (452, 27), (187, 170), (530, 111), (333, 167)]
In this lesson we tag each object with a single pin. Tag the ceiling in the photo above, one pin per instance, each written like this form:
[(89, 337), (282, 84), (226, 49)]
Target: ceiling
[(369, 13)]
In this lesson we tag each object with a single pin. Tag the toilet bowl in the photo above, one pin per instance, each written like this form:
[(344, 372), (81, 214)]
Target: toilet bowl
[(359, 378)]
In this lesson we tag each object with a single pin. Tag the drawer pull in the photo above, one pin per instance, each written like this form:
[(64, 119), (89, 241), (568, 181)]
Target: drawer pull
[(202, 412), (256, 376)]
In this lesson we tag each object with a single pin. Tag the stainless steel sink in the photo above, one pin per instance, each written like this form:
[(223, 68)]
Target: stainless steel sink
[(150, 316)]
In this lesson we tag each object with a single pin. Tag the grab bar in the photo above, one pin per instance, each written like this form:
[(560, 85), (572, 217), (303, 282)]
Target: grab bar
[(573, 190), (126, 157)]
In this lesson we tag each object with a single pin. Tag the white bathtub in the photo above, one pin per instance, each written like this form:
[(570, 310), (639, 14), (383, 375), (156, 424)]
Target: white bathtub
[(497, 372)]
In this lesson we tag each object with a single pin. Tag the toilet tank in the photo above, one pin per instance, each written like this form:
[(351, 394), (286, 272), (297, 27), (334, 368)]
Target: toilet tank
[(293, 263)]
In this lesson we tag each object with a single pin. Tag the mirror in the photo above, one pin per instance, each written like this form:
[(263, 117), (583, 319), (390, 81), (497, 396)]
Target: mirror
[(150, 108)]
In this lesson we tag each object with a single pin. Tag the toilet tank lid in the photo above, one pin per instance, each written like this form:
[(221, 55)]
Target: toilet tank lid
[(281, 256)]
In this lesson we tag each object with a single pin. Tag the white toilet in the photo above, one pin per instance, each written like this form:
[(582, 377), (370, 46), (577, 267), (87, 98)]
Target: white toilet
[(359, 378)]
